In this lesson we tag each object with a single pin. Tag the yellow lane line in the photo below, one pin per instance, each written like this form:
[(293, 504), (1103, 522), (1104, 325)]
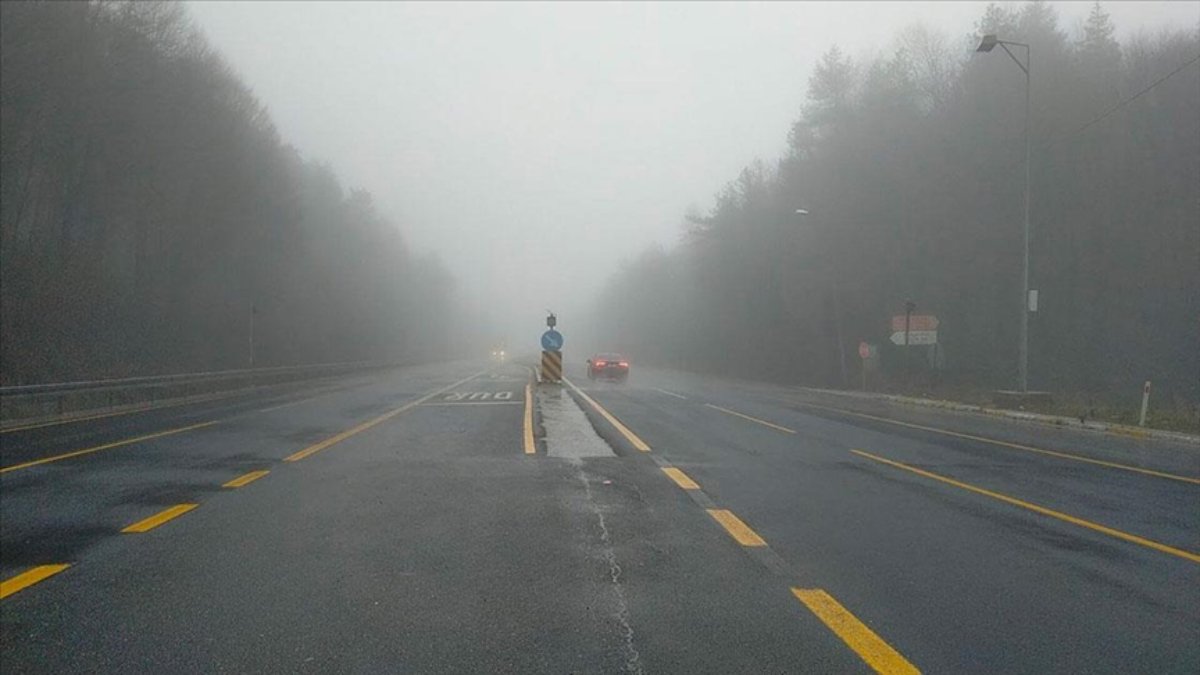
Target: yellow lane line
[(752, 419), (870, 647), (139, 439), (28, 578), (1103, 529), (740, 531), (338, 438), (681, 479), (629, 435), (1006, 444), (245, 479), (530, 447), (159, 518), (107, 446)]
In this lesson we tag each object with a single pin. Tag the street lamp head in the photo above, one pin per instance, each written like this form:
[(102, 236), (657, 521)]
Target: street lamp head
[(988, 43), (802, 212)]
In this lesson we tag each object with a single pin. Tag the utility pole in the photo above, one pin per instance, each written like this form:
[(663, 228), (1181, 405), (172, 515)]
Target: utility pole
[(841, 344), (253, 313)]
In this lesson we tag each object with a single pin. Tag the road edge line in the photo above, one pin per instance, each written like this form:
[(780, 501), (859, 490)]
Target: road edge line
[(107, 446), (527, 421), (1042, 510), (1004, 444)]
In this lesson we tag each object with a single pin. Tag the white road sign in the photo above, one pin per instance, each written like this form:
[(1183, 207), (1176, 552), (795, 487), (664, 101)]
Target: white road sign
[(915, 337)]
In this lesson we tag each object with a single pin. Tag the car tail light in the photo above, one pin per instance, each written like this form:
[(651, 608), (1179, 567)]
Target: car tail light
[(601, 364), (624, 364)]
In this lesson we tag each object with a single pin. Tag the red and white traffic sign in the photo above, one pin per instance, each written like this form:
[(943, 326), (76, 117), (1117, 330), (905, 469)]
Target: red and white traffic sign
[(916, 322), (864, 350)]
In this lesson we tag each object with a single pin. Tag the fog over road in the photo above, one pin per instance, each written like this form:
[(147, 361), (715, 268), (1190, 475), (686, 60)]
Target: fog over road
[(888, 311), (536, 146)]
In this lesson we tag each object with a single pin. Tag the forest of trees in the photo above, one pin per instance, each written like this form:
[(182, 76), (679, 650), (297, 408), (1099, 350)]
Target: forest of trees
[(150, 213), (911, 168)]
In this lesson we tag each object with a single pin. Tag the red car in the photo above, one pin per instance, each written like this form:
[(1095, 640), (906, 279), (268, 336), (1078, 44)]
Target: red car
[(608, 367)]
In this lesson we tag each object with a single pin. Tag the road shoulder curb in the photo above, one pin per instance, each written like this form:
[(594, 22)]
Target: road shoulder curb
[(1034, 418)]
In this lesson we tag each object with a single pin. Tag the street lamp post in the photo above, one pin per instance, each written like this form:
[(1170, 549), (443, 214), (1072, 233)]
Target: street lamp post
[(987, 44)]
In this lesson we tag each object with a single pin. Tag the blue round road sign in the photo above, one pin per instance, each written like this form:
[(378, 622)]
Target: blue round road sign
[(552, 340)]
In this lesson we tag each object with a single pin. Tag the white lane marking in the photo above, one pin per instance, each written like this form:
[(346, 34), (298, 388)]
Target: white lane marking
[(669, 393), (479, 396), (460, 404)]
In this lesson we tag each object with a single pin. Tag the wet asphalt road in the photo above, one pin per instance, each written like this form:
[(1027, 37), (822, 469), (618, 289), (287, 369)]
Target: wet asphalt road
[(426, 538)]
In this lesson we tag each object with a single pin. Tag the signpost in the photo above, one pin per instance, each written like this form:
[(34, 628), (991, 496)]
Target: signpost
[(552, 342), (914, 330), (921, 330)]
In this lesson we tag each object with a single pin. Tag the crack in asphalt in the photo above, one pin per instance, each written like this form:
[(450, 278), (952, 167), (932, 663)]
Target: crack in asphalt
[(633, 660)]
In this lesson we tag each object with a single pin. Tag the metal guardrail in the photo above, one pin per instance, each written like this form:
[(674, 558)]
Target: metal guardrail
[(61, 399), (160, 379)]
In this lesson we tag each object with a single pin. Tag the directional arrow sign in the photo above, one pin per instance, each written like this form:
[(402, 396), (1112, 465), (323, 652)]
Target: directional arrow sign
[(915, 337), (552, 340)]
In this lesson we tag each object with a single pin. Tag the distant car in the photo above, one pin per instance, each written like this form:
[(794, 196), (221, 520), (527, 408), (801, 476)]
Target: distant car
[(608, 367), (499, 355)]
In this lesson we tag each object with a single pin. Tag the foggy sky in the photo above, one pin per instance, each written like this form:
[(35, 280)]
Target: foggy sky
[(534, 147)]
